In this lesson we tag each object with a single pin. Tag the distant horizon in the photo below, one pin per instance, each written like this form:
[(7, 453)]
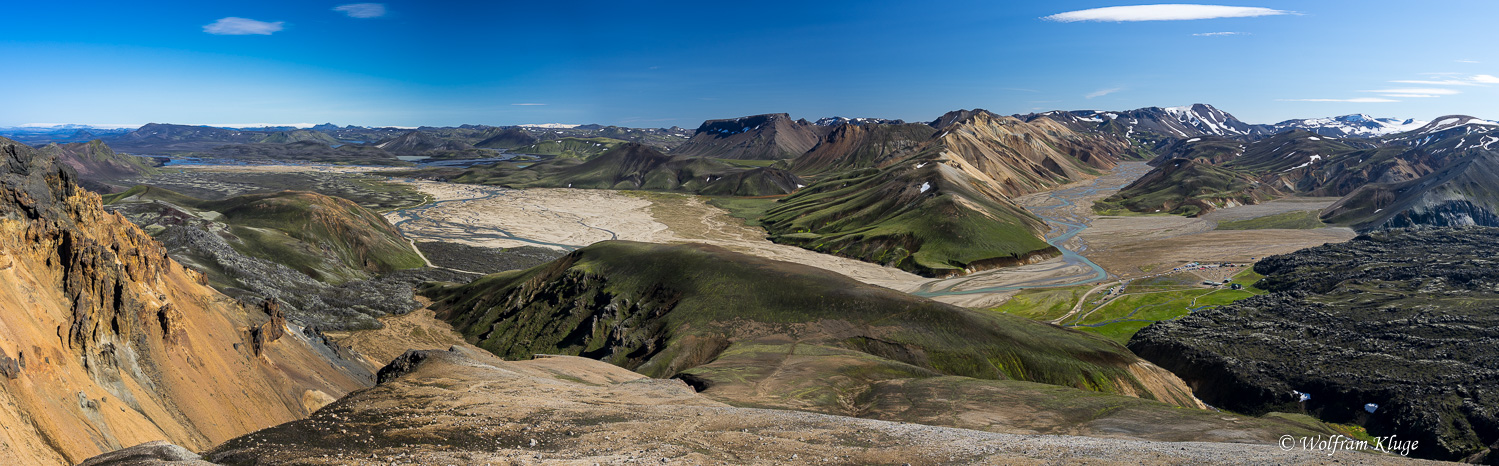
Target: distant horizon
[(553, 124)]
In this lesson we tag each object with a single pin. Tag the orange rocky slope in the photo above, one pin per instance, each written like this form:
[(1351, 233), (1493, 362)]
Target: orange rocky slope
[(105, 342)]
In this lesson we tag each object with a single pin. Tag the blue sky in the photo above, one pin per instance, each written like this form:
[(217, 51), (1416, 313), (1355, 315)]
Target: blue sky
[(678, 63)]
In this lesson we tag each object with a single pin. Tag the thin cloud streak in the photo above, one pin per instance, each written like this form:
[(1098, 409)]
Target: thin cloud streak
[(1162, 12), (1431, 91), (1102, 92), (234, 26), (1360, 100), (362, 10), (1220, 34), (1412, 96)]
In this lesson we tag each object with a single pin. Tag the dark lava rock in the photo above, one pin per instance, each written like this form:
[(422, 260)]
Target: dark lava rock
[(1405, 319)]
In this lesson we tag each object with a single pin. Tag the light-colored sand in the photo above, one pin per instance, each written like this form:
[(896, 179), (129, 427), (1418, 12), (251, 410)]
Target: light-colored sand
[(500, 217), (1127, 246), (570, 218), (1131, 246)]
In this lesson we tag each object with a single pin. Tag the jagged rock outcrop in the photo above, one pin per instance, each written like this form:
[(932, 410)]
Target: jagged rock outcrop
[(119, 344)]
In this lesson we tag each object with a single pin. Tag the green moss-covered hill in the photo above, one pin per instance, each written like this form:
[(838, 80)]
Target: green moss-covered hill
[(574, 148), (1187, 187), (663, 310), (919, 215), (328, 238), (636, 166)]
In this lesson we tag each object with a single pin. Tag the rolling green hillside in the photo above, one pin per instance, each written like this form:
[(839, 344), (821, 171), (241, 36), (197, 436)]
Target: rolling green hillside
[(636, 166), (575, 148), (662, 310), (922, 217), (1186, 187), (328, 238)]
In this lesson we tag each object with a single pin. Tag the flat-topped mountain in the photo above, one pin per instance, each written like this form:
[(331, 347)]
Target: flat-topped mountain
[(764, 137)]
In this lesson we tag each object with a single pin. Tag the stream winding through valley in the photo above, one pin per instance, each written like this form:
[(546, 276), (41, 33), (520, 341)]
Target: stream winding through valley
[(1066, 211)]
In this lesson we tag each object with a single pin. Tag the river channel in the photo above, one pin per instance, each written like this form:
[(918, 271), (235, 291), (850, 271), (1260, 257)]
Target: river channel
[(1066, 211)]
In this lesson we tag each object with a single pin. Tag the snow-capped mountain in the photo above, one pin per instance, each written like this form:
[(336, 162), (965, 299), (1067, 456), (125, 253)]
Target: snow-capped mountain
[(838, 120), (1351, 126), (1450, 133), (1153, 124)]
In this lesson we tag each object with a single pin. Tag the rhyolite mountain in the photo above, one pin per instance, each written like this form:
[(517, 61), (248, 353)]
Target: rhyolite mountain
[(1401, 319), (936, 199), (772, 136), (106, 342)]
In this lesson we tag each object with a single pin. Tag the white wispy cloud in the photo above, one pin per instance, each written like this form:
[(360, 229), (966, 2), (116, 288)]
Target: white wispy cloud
[(1412, 96), (527, 104), (1409, 91), (1102, 92), (1162, 12), (1453, 80), (1359, 100), (362, 10), (1216, 34), (1444, 82), (1467, 61), (232, 26)]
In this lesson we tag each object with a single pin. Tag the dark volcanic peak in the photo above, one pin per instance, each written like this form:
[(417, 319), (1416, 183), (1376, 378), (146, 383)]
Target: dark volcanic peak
[(507, 138), (410, 141), (1464, 193), (742, 124), (764, 137)]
